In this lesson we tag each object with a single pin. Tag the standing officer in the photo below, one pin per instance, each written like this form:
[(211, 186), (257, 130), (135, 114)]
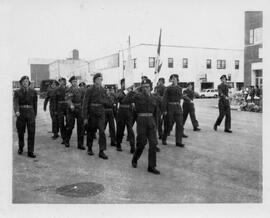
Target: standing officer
[(124, 118), (109, 116), (51, 99), (160, 90), (172, 108), (94, 114), (25, 107), (146, 108), (188, 107), (61, 107), (224, 105), (74, 98)]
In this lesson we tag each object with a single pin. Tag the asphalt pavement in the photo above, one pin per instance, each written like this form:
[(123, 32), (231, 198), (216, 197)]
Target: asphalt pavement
[(214, 166)]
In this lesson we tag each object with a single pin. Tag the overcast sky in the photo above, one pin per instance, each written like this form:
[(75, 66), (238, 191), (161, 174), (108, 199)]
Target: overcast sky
[(52, 28)]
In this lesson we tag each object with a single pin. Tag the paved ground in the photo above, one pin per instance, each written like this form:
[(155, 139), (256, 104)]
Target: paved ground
[(214, 167)]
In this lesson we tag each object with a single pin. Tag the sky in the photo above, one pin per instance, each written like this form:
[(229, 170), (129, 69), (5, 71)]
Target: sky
[(51, 29)]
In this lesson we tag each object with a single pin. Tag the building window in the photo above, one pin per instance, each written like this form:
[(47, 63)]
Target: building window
[(258, 35), (185, 63), (236, 66), (135, 63), (208, 64), (221, 64), (251, 36), (151, 62), (124, 65), (229, 77), (260, 52), (170, 62)]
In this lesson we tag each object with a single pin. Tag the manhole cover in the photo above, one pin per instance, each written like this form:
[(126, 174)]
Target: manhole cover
[(83, 189)]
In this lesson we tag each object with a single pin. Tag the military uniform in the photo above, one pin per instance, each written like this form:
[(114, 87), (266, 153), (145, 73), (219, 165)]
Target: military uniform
[(74, 98), (109, 118), (93, 110), (61, 110), (160, 90), (171, 105), (188, 108), (25, 102), (224, 107), (51, 95), (124, 118)]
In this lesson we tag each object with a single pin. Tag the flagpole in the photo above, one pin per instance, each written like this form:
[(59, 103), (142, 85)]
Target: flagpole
[(157, 61)]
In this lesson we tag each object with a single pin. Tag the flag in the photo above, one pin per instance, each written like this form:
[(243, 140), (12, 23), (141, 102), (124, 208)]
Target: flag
[(158, 63), (129, 77)]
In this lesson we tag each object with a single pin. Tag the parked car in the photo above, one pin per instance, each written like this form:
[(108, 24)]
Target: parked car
[(208, 93)]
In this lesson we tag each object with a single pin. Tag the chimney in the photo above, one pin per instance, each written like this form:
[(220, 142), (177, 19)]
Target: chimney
[(75, 54)]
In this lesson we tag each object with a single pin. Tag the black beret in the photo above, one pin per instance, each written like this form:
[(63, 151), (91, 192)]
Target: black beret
[(23, 78), (55, 82), (161, 79), (174, 75), (62, 78), (96, 76), (72, 78), (82, 84), (223, 76), (146, 81)]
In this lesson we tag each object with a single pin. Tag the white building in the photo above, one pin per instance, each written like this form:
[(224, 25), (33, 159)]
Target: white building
[(202, 66)]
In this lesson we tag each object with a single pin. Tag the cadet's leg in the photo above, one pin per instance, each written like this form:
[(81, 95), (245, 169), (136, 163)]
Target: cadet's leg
[(112, 129), (120, 128), (152, 139), (222, 113), (228, 118), (51, 115), (129, 123), (61, 123), (91, 130), (102, 137), (31, 127), (186, 111), (167, 126), (193, 117), (70, 126), (80, 129), (21, 124), (178, 128)]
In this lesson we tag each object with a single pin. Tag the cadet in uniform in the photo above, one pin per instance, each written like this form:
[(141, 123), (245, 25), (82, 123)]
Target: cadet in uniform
[(51, 99), (146, 108), (25, 107), (109, 116), (224, 105), (124, 118), (172, 108), (61, 107), (74, 99), (94, 114), (188, 107), (83, 87)]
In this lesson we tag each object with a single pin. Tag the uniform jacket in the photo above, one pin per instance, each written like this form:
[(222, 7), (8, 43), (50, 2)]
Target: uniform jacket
[(74, 95), (188, 95), (172, 94), (50, 97), (60, 95), (25, 97)]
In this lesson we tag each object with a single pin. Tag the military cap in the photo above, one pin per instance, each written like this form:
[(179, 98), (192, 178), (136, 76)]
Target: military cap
[(161, 79), (82, 84), (96, 76), (23, 78), (62, 79), (223, 76), (146, 81), (174, 75), (72, 78), (55, 82)]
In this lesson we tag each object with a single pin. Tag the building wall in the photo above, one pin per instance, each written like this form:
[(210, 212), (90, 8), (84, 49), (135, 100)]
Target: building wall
[(253, 20), (39, 72), (196, 64)]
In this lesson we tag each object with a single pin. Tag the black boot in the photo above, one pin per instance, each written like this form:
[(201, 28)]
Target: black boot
[(228, 130), (196, 129), (20, 151), (180, 145), (90, 151), (215, 127), (184, 136), (153, 170), (55, 136), (31, 155), (132, 149), (157, 149), (81, 147), (118, 147), (103, 155), (134, 163)]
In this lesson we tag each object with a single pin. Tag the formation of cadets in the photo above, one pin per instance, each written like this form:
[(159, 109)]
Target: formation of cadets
[(93, 107)]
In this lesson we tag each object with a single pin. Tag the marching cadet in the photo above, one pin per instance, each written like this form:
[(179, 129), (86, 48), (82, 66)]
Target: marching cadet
[(172, 108), (74, 99), (25, 107), (224, 105), (51, 99), (160, 90), (124, 118), (61, 107), (83, 87), (109, 116), (146, 108), (188, 107), (94, 114)]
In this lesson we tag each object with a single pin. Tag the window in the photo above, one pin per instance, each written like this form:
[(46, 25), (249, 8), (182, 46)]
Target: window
[(251, 36), (229, 77), (170, 62), (151, 62), (255, 36), (135, 63), (124, 65), (260, 52), (208, 64), (221, 64), (236, 66), (185, 63)]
